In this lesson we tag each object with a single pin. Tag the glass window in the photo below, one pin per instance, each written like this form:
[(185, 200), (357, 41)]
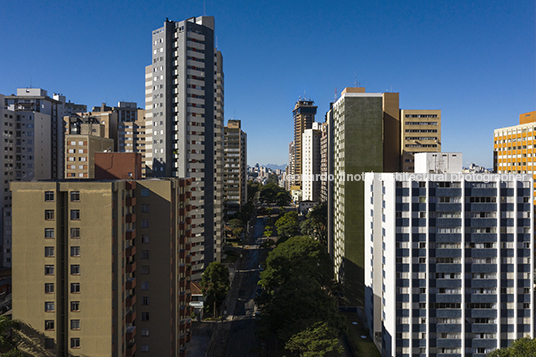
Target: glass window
[(49, 196), (144, 254), (75, 342), (75, 305), (145, 331), (49, 288), (49, 215), (75, 269), (145, 239), (75, 214), (144, 192), (49, 343), (145, 300), (145, 269), (75, 196), (49, 306), (75, 232), (145, 316), (49, 232), (75, 324), (145, 285), (75, 288), (49, 269), (49, 325), (49, 251), (75, 251)]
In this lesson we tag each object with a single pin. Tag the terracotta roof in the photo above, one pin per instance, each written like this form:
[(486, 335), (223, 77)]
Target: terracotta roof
[(195, 288)]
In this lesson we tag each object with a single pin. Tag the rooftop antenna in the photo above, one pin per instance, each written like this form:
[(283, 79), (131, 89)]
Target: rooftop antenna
[(204, 9), (216, 41), (356, 83), (335, 98)]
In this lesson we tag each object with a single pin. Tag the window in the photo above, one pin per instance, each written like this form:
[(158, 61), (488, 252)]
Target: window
[(145, 300), (49, 269), (49, 288), (49, 251), (75, 269), (145, 239), (75, 288), (75, 196), (144, 316), (145, 269), (49, 232), (145, 331), (49, 306), (75, 324), (144, 254), (145, 348), (144, 208), (144, 192), (145, 285), (49, 343), (75, 305), (75, 232), (49, 325), (75, 214), (144, 223), (49, 215), (75, 342), (75, 251), (49, 196)]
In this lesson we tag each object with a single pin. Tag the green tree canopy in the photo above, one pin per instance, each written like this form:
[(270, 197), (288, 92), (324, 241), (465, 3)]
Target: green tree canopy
[(297, 282), (288, 225), (316, 223), (272, 193), (215, 284), (319, 340), (524, 347), (8, 345)]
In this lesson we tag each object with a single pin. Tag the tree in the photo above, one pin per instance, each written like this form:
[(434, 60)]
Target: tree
[(215, 284), (252, 189), (524, 347), (237, 227), (288, 225), (283, 198), (316, 223), (317, 340), (8, 346), (272, 178), (272, 193), (297, 286)]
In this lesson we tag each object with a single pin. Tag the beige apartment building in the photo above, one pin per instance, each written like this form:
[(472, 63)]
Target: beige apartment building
[(101, 268), (420, 131), (235, 165), (80, 150)]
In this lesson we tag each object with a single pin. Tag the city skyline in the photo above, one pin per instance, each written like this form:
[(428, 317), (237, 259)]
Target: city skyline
[(474, 61)]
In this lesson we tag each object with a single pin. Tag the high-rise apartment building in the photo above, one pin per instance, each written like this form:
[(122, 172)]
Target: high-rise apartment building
[(32, 147), (80, 150), (304, 116), (101, 268), (365, 139), (450, 263), (311, 163), (514, 147), (421, 132), (234, 166), (184, 114), (291, 168)]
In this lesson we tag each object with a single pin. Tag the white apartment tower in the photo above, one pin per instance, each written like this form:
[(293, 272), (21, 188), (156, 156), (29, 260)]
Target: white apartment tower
[(184, 125), (311, 163), (450, 263)]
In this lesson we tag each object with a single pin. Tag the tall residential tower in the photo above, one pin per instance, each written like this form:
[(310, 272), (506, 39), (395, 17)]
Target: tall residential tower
[(184, 114)]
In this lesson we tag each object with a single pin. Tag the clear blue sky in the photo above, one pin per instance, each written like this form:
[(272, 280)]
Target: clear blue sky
[(474, 60)]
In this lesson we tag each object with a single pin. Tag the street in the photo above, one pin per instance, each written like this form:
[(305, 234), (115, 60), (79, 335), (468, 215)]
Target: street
[(241, 305)]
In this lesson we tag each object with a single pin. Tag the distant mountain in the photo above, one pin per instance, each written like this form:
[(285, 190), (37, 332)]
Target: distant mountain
[(275, 167)]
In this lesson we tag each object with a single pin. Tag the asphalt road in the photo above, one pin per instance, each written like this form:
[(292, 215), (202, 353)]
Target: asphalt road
[(242, 341)]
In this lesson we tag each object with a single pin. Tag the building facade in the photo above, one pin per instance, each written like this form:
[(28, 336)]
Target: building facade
[(365, 139), (311, 163), (304, 116), (184, 115), (234, 166), (421, 132), (514, 147), (449, 263), (89, 275)]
